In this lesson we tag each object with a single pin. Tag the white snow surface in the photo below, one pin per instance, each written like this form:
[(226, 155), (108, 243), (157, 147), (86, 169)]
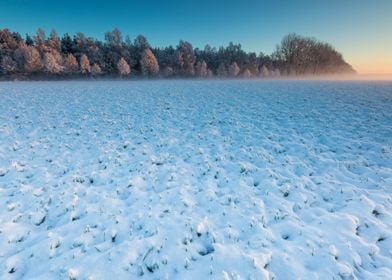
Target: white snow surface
[(196, 180)]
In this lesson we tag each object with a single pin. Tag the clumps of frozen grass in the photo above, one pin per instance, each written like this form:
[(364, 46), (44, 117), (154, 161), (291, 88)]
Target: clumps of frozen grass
[(73, 274), (12, 206), (156, 161), (54, 243), (148, 259), (333, 252), (79, 179), (246, 168), (236, 180), (3, 172), (204, 238), (136, 182), (113, 235), (38, 218), (19, 235)]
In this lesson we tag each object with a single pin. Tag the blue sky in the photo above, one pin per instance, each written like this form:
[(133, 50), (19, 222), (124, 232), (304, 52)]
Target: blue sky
[(360, 29)]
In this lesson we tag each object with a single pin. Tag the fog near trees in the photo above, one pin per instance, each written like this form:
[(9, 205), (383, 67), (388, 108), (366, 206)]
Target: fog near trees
[(41, 56)]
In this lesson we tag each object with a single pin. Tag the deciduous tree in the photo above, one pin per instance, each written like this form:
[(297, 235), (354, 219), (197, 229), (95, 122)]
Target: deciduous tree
[(123, 67), (85, 67), (201, 69), (149, 63), (96, 70), (8, 65), (51, 63), (71, 65), (234, 69)]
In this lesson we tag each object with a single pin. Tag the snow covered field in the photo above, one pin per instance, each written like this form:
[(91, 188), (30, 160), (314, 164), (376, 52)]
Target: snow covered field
[(196, 180)]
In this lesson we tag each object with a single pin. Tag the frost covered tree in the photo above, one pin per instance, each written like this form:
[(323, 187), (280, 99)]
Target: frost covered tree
[(123, 67), (114, 38), (275, 73), (234, 69), (51, 63), (295, 55), (28, 58), (253, 64), (136, 52), (185, 59), (247, 73), (96, 70), (264, 72), (71, 65), (33, 61), (40, 37), (149, 63), (8, 42), (85, 67), (54, 41), (168, 71), (8, 65), (141, 43), (221, 71), (201, 69)]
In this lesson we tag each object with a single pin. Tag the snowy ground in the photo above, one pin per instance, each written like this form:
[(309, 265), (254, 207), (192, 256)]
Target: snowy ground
[(196, 180)]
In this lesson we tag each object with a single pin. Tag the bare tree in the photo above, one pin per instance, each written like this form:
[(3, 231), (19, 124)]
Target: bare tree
[(303, 56)]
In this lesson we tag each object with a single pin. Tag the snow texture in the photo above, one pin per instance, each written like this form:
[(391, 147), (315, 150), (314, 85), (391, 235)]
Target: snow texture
[(196, 180)]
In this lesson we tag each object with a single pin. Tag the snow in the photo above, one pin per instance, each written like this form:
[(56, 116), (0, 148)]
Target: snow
[(196, 180)]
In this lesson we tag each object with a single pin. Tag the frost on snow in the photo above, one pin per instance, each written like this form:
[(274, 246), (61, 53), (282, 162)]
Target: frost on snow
[(195, 180)]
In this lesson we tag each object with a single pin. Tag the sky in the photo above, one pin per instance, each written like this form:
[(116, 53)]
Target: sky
[(360, 29)]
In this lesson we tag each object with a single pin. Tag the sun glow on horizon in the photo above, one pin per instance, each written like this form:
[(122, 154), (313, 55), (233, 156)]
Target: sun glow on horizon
[(376, 65)]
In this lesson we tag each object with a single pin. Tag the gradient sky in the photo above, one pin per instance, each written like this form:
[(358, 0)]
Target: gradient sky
[(360, 29)]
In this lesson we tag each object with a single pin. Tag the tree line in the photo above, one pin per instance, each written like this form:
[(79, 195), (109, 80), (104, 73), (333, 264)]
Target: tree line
[(81, 56)]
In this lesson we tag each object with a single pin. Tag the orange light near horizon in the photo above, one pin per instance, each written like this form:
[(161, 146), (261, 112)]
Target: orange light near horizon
[(373, 68), (374, 64)]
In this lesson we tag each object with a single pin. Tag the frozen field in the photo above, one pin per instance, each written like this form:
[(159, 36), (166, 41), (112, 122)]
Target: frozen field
[(196, 180)]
